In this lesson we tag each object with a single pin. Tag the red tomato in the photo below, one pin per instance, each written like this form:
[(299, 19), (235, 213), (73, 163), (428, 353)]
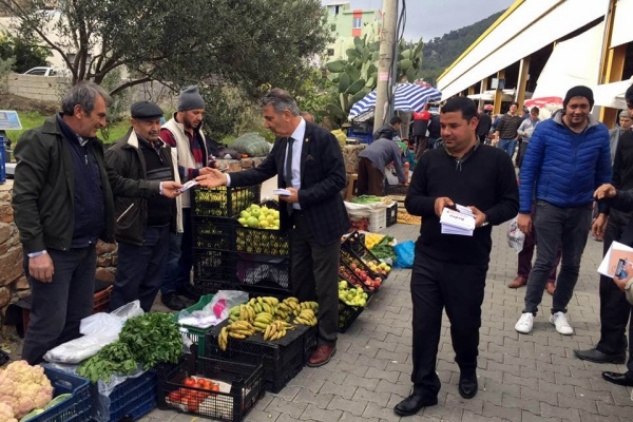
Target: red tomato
[(189, 382), (175, 396), (193, 405)]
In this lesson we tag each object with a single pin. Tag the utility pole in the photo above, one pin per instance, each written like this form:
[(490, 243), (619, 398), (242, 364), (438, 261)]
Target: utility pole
[(386, 60)]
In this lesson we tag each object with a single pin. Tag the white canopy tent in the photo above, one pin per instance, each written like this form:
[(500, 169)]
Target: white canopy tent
[(611, 95)]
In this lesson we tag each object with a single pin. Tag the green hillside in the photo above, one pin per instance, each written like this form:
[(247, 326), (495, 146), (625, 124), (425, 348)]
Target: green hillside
[(439, 53)]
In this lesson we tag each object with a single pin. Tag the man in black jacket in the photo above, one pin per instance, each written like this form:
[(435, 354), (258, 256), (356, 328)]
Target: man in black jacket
[(143, 224), (449, 270), (615, 311), (62, 201), (309, 163)]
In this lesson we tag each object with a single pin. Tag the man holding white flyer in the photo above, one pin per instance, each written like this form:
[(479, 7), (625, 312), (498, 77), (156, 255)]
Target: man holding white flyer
[(450, 269)]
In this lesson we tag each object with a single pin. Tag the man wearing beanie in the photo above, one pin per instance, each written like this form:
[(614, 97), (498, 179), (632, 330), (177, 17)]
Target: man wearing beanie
[(143, 225), (615, 309), (625, 122), (184, 132), (568, 158)]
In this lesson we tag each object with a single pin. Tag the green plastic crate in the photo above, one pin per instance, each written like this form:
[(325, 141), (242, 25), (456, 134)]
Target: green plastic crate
[(197, 335)]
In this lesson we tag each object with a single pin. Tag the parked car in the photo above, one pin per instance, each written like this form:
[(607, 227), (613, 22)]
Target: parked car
[(41, 71)]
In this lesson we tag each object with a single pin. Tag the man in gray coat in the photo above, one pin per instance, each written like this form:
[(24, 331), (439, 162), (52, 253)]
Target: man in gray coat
[(372, 163)]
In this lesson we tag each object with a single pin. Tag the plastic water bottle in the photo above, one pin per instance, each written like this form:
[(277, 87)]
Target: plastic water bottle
[(3, 169)]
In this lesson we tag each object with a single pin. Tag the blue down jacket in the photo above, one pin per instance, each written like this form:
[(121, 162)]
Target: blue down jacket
[(564, 167)]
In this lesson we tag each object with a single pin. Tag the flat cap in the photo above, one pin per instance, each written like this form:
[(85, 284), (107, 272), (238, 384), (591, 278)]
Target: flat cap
[(145, 110), (624, 114)]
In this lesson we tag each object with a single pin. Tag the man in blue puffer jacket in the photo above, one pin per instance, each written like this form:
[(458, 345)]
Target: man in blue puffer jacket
[(568, 157)]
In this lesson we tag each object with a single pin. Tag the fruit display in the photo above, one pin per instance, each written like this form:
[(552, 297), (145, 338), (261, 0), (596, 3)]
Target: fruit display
[(220, 202), (268, 315), (372, 239), (381, 268), (351, 296), (196, 391), (259, 233), (259, 217), (355, 279)]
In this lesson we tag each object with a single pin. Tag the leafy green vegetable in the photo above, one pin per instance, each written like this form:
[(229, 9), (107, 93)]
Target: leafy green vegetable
[(115, 358), (367, 199), (383, 249), (152, 338)]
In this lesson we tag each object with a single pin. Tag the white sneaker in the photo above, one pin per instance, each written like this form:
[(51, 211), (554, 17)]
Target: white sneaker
[(525, 323), (559, 320)]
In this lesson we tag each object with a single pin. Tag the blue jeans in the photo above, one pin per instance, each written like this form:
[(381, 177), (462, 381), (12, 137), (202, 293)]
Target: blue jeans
[(508, 145), (141, 268), (567, 228), (58, 307)]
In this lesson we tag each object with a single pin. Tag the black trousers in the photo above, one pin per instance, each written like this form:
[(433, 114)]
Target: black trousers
[(615, 310), (459, 289), (315, 275), (58, 307)]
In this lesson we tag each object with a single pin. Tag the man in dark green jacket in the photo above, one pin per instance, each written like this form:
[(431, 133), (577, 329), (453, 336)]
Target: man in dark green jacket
[(63, 203)]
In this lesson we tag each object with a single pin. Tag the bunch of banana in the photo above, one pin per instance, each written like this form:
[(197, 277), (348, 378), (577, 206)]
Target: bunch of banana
[(310, 305), (306, 317), (292, 303), (239, 330), (263, 304), (247, 313), (262, 321), (276, 330)]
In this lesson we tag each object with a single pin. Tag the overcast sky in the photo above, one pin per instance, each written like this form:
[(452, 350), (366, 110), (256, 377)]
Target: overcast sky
[(433, 18)]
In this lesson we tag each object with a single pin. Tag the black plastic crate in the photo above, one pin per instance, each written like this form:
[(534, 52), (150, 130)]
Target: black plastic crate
[(353, 250), (282, 359), (131, 399), (264, 274), (214, 265), (262, 241), (214, 233), (223, 201), (392, 214), (347, 274), (310, 342), (231, 404), (347, 315)]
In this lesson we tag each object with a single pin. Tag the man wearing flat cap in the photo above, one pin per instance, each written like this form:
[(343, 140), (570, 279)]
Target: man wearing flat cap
[(568, 157), (143, 225)]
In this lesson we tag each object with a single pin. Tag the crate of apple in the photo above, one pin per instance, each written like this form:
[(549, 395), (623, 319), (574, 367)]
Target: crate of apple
[(352, 278), (372, 282)]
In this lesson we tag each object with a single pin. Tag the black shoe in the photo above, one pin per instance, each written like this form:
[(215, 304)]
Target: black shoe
[(468, 386), (412, 404), (173, 301), (619, 379), (189, 294), (596, 356)]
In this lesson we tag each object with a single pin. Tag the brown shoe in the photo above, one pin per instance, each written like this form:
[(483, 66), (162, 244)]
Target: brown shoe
[(322, 355), (550, 287), (519, 281)]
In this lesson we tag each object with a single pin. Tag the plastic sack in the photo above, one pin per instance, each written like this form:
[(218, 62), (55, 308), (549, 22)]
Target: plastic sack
[(98, 331), (405, 254), (214, 312), (252, 144), (516, 237)]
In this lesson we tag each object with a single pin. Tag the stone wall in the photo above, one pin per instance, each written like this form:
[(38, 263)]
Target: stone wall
[(46, 88), (13, 283)]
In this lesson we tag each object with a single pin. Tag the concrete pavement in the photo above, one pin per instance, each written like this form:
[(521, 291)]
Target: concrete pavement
[(522, 378)]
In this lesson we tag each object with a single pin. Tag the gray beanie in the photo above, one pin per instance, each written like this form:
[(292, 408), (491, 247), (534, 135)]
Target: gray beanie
[(190, 99)]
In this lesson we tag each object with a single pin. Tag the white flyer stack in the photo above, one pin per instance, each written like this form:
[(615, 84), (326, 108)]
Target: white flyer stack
[(460, 221)]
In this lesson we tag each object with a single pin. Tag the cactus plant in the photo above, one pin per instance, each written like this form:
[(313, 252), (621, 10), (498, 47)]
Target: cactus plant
[(354, 78)]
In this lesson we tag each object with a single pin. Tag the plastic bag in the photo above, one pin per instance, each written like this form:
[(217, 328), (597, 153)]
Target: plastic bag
[(98, 331), (251, 144), (405, 254), (214, 312), (516, 237)]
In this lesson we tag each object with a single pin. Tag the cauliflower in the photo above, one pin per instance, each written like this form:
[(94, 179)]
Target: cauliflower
[(6, 413), (24, 387)]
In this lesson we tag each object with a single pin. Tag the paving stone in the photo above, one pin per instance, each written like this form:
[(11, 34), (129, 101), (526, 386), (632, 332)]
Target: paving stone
[(315, 413), (355, 407), (345, 391), (257, 415), (282, 406), (493, 410), (318, 399), (527, 416)]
